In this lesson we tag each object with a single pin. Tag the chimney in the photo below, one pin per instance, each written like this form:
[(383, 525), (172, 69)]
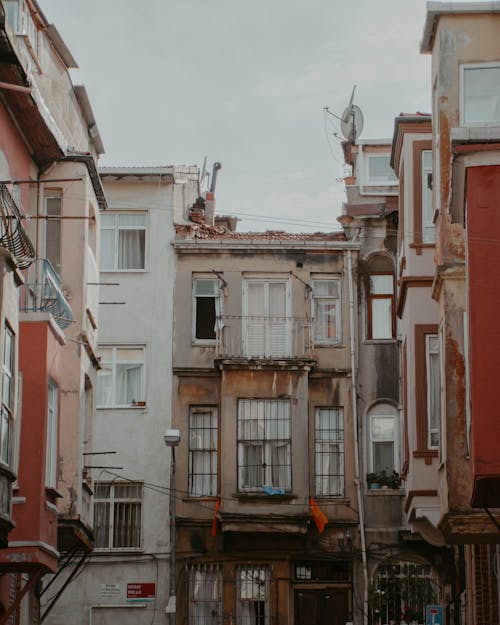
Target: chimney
[(210, 208)]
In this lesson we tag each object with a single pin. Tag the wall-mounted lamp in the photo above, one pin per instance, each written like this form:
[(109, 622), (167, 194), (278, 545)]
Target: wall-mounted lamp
[(344, 540)]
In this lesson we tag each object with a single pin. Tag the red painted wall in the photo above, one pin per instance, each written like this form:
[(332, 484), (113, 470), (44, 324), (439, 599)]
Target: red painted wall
[(39, 361), (483, 263), (16, 152)]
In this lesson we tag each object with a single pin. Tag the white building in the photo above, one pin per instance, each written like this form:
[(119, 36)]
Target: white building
[(126, 579)]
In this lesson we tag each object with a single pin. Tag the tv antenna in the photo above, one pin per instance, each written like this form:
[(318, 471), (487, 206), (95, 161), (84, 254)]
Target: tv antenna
[(351, 122)]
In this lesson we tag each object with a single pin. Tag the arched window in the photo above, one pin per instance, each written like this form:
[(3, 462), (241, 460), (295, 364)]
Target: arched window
[(380, 303), (383, 443), (400, 591)]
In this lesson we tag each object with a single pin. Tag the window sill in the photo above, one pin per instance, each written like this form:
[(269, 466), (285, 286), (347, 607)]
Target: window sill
[(126, 407), (202, 343), (383, 492), (123, 271), (52, 493), (261, 497), (112, 551), (326, 344), (380, 341)]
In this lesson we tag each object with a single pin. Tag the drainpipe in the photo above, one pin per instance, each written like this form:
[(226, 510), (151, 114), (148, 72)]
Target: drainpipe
[(357, 481)]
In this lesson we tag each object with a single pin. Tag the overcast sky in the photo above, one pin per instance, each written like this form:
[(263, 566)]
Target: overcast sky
[(245, 83)]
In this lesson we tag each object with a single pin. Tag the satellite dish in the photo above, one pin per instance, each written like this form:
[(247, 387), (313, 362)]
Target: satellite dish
[(351, 124)]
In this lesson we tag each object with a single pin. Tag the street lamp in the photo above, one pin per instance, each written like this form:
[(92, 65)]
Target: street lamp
[(172, 438)]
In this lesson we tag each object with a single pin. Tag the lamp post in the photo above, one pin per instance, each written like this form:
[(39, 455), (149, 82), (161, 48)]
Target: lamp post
[(172, 438)]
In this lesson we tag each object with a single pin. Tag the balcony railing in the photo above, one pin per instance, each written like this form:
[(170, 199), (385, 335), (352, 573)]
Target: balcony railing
[(12, 234), (264, 337), (43, 293)]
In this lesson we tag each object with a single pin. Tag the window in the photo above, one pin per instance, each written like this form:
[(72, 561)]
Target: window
[(433, 389), (380, 306), (53, 204), (427, 391), (118, 515), (428, 229), (203, 451), (329, 452), (266, 325), (120, 381), (206, 309), (253, 603), (401, 591), (19, 17), (378, 169), (326, 311), (52, 435), (264, 444), (8, 382), (384, 432), (123, 241), (205, 594), (480, 94)]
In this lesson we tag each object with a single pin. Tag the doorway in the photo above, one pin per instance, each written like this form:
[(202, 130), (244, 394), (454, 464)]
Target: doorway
[(325, 606)]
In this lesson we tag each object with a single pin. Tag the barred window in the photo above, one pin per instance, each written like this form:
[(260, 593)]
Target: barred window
[(202, 451), (253, 595), (118, 515), (205, 594), (264, 444), (329, 452)]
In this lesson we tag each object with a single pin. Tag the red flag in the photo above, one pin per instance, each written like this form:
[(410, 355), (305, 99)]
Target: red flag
[(318, 515), (214, 520)]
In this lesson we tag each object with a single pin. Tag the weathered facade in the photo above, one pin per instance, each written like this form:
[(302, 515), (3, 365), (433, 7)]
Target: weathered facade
[(262, 396)]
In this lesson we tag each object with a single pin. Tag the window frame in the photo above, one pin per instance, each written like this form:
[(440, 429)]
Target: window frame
[(433, 386), (340, 454), (421, 395), (111, 500), (374, 182), (217, 303), (325, 342), (214, 573), (52, 438), (212, 452), (381, 296), (384, 409), (267, 280), (54, 225), (265, 443), (8, 403), (138, 403), (462, 98), (116, 229), (418, 242), (240, 601)]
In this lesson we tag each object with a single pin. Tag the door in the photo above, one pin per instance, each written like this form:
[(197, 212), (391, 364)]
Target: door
[(266, 324), (326, 606)]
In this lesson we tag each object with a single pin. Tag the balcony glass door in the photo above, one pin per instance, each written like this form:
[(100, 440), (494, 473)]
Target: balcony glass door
[(265, 322)]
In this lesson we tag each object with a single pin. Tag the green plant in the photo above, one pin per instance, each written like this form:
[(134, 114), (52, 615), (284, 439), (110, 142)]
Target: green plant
[(392, 480)]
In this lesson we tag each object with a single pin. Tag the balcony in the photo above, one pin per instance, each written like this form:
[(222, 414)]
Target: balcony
[(264, 338), (43, 293), (12, 234)]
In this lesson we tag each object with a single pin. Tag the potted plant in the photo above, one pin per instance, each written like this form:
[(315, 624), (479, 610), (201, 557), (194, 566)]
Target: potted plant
[(382, 479), (373, 481)]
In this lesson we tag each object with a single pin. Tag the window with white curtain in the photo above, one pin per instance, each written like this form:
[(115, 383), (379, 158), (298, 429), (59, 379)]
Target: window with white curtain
[(266, 321), (384, 439), (480, 94), (326, 310), (123, 241), (120, 381), (52, 435), (329, 452), (205, 594), (252, 587), (118, 515), (264, 454), (203, 429)]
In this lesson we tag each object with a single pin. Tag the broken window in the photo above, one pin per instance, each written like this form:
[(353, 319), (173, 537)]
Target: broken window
[(206, 309)]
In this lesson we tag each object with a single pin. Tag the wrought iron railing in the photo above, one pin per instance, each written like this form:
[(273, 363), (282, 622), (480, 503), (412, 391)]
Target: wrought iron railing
[(43, 293), (266, 337), (13, 236)]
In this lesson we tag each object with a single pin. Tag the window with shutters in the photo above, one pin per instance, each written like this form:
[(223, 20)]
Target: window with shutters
[(266, 320), (264, 449), (118, 515)]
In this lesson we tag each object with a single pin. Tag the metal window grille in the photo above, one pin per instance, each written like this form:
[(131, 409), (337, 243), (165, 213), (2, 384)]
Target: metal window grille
[(118, 515), (253, 605), (264, 454), (329, 452), (400, 592), (205, 595), (202, 451)]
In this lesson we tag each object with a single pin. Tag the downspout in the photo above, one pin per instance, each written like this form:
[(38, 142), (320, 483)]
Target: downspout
[(357, 481)]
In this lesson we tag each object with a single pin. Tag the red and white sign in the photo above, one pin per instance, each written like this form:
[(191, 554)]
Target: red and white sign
[(141, 591)]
